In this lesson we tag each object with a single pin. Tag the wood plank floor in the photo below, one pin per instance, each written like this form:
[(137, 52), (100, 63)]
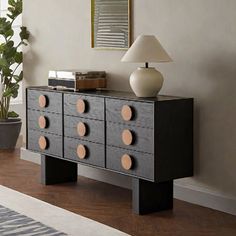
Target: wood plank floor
[(111, 205)]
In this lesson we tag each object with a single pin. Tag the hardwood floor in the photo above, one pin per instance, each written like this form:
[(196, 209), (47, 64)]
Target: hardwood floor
[(111, 205)]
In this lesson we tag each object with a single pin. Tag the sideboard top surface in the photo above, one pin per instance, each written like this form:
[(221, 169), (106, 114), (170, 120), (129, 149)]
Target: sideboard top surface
[(110, 94)]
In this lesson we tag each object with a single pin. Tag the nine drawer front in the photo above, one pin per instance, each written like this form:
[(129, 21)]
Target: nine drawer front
[(110, 133)]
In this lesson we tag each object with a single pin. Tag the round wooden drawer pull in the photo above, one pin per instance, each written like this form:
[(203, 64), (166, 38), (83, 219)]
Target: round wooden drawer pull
[(81, 129), (43, 143), (42, 101), (81, 151), (127, 137), (126, 162), (42, 121), (126, 113), (81, 106)]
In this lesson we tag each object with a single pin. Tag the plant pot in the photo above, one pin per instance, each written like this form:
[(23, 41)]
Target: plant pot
[(9, 133)]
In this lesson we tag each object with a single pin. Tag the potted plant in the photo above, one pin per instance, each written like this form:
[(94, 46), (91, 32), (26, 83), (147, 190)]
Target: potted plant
[(11, 58)]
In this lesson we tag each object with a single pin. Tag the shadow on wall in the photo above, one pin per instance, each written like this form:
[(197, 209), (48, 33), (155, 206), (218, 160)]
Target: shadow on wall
[(218, 114), (31, 62), (196, 131)]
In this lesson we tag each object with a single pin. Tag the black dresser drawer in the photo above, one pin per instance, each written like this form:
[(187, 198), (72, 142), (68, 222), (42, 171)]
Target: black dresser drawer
[(84, 152), (45, 122), (44, 101), (84, 106), (45, 143), (130, 137), (130, 112), (84, 129), (130, 162)]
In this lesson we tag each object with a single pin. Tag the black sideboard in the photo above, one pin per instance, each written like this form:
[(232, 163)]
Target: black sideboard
[(149, 139)]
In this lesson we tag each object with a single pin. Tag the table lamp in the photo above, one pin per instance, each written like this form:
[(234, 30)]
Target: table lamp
[(146, 81)]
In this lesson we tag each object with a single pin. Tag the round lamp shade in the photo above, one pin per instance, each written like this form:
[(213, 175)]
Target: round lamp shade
[(146, 48)]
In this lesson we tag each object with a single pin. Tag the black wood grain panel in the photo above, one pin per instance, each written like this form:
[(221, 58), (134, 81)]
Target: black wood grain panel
[(143, 112), (55, 146), (54, 121), (94, 106), (149, 197), (55, 170), (143, 162), (96, 152), (143, 137), (174, 139), (54, 100), (95, 133)]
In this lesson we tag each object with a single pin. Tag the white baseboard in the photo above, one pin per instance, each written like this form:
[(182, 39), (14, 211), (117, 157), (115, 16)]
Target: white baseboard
[(105, 176), (192, 194), (204, 197), (19, 142), (30, 156)]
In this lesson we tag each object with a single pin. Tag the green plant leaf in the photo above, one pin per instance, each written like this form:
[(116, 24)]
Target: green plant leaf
[(5, 25), (12, 114), (9, 33), (11, 2), (11, 90), (14, 9), (2, 47), (21, 75), (15, 93), (9, 53), (3, 63), (24, 34), (18, 78), (6, 71), (3, 19), (18, 57), (10, 44), (7, 93)]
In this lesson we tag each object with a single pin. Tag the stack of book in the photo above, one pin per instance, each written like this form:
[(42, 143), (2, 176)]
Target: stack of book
[(77, 80)]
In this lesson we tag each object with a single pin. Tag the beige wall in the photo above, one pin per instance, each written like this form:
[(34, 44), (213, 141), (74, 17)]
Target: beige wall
[(200, 37)]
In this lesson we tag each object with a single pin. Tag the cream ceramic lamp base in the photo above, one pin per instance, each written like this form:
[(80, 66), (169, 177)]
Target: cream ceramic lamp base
[(146, 82)]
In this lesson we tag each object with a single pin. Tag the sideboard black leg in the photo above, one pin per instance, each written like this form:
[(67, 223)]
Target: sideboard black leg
[(55, 171), (150, 197)]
